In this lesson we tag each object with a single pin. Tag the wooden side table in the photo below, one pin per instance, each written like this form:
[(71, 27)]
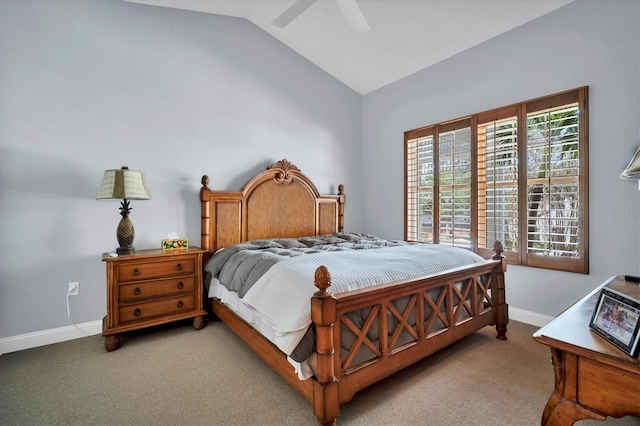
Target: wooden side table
[(152, 287), (593, 378)]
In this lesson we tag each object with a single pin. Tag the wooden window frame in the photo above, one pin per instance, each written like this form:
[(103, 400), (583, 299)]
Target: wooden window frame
[(521, 255)]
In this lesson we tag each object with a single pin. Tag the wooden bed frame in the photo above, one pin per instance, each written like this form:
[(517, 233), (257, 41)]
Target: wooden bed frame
[(281, 202)]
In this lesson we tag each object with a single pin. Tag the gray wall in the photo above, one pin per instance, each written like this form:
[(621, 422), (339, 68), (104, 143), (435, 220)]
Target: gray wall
[(591, 43), (97, 84)]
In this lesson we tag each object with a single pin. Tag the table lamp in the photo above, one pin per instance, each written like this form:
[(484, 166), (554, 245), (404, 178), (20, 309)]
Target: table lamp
[(633, 169), (126, 185)]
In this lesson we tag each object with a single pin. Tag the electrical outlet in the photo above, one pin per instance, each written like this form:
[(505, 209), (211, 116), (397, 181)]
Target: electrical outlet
[(74, 288)]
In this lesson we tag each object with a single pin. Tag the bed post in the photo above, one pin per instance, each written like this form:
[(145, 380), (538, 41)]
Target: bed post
[(501, 301), (326, 404), (341, 200), (205, 195)]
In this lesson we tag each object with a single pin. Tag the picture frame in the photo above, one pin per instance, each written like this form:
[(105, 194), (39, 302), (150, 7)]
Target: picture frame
[(617, 319)]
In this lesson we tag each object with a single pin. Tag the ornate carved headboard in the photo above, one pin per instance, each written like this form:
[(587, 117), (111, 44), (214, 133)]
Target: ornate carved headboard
[(280, 202)]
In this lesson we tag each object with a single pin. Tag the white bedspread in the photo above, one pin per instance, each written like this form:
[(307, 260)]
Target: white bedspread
[(283, 294)]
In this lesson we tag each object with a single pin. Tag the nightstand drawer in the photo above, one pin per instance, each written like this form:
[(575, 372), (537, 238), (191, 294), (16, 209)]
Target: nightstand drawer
[(174, 305), (142, 271), (142, 290)]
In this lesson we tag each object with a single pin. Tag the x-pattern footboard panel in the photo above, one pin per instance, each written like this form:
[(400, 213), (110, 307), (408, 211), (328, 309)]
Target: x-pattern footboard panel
[(403, 321), (361, 336), (437, 311), (400, 319)]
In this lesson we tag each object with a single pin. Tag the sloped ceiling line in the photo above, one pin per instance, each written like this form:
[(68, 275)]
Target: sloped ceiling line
[(405, 37)]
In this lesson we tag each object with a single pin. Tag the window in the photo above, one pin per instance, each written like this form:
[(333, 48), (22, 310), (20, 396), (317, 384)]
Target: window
[(516, 174)]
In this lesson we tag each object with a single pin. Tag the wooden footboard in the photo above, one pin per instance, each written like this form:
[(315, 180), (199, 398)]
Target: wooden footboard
[(438, 310)]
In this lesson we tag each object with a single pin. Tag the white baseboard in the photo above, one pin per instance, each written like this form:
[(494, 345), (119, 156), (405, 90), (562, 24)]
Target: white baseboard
[(529, 317), (48, 337), (62, 334)]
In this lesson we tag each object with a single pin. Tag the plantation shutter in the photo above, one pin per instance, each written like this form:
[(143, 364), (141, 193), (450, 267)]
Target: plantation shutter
[(555, 182), (498, 181), (455, 176), (419, 182)]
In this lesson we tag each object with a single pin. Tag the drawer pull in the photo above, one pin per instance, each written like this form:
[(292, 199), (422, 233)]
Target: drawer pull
[(137, 291), (137, 313), (136, 271), (180, 304), (180, 285), (179, 266)]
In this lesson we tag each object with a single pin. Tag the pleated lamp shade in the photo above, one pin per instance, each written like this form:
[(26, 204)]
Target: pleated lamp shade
[(123, 184)]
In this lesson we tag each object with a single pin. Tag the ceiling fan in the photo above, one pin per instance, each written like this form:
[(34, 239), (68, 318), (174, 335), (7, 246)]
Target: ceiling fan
[(349, 9)]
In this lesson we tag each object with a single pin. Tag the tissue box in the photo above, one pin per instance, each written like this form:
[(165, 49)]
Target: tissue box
[(175, 244)]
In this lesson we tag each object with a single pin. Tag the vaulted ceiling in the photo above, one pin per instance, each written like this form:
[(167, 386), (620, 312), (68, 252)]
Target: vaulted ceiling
[(405, 36)]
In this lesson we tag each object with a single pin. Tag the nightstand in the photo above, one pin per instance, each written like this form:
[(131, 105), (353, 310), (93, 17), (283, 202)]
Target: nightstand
[(152, 287)]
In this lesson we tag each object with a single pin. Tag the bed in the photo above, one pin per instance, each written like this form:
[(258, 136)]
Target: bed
[(355, 336)]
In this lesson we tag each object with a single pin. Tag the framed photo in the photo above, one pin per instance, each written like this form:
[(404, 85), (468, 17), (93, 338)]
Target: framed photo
[(617, 319)]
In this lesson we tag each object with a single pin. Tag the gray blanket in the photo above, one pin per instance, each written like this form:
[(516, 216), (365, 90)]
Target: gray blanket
[(238, 267)]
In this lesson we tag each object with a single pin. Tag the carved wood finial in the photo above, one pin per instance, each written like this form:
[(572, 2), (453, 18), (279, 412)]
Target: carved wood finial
[(285, 167), (205, 181), (497, 249), (322, 279)]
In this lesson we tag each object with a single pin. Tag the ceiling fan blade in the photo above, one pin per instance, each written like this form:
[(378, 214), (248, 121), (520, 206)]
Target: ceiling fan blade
[(354, 16), (292, 13)]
